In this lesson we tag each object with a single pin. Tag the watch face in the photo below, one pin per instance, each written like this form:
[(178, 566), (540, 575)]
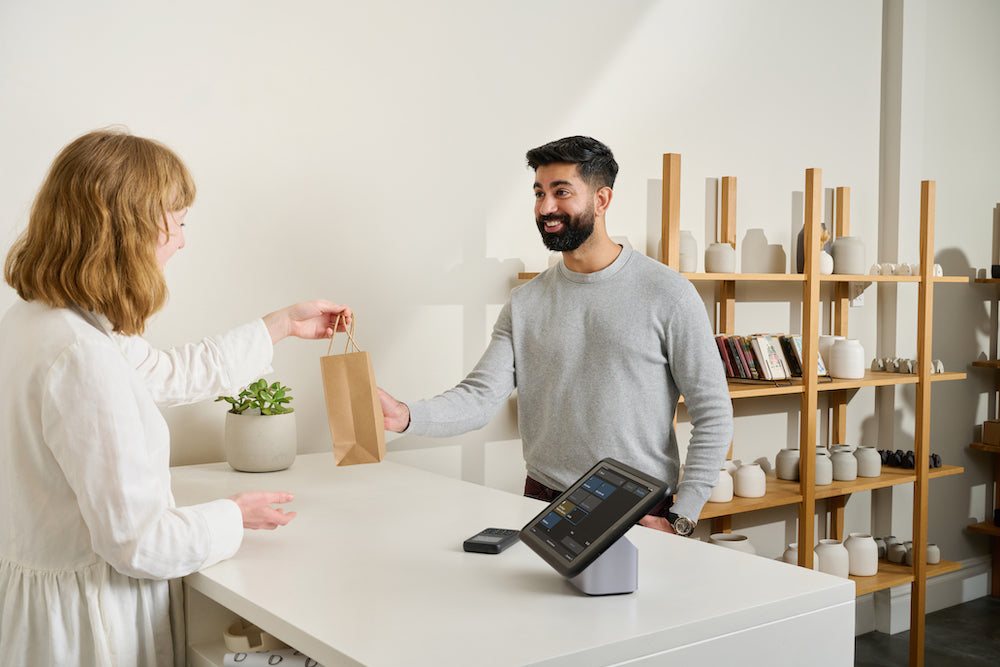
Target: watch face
[(683, 526)]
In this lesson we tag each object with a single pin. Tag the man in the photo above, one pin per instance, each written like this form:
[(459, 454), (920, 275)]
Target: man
[(599, 347)]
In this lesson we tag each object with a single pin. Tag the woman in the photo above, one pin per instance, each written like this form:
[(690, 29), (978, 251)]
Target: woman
[(89, 534)]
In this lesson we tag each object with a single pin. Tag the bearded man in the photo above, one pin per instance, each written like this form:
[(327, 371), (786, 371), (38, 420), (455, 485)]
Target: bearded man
[(600, 347)]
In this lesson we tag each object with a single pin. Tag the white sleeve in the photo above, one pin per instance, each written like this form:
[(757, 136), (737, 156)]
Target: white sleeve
[(94, 425), (217, 365)]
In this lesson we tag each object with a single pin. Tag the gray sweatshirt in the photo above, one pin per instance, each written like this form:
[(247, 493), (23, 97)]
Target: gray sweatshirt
[(599, 361)]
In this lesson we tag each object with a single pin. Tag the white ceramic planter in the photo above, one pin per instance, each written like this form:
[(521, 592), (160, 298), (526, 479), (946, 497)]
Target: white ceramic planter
[(832, 558), (869, 462), (862, 554), (824, 469), (849, 256), (786, 464), (732, 541), (847, 359), (750, 481), (720, 258), (722, 492), (845, 466), (260, 443)]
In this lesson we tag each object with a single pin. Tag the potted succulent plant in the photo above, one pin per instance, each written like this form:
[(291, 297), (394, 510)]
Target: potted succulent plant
[(260, 428)]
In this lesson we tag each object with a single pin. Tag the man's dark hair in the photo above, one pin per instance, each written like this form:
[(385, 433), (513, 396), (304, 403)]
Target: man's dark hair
[(593, 159)]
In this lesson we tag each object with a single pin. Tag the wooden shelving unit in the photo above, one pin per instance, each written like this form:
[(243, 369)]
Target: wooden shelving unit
[(804, 494), (987, 527)]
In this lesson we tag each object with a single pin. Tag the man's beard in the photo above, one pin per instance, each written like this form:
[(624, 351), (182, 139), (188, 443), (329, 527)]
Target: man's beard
[(575, 231)]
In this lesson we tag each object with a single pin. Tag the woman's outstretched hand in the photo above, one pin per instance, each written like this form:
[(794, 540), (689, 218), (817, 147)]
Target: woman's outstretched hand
[(309, 319), (257, 511)]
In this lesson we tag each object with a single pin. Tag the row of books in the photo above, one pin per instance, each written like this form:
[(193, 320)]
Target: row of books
[(763, 356)]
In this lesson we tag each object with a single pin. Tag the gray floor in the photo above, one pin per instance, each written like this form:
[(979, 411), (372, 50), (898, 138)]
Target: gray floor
[(966, 634)]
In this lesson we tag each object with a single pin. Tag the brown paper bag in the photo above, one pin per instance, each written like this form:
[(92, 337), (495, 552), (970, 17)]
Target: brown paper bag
[(352, 406)]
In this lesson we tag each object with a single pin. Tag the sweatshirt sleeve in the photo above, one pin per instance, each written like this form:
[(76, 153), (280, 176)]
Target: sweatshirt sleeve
[(697, 370), (94, 427), (195, 372), (476, 399)]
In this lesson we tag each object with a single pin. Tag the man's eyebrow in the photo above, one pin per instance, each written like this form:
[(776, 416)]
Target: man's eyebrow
[(554, 184)]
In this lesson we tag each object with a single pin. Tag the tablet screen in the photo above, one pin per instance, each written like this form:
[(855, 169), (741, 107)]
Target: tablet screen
[(591, 515)]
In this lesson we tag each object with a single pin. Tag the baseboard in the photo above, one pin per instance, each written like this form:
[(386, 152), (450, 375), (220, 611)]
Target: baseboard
[(888, 611)]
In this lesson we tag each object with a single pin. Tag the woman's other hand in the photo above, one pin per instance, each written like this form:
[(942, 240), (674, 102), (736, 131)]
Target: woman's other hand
[(257, 511)]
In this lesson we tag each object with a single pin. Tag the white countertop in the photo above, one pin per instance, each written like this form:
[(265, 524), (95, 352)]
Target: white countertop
[(372, 571)]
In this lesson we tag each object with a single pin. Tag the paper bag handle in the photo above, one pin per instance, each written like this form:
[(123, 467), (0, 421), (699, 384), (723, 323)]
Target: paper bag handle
[(350, 335)]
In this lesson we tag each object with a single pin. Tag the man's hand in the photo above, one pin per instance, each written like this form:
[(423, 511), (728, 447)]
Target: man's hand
[(257, 511), (657, 523), (396, 415)]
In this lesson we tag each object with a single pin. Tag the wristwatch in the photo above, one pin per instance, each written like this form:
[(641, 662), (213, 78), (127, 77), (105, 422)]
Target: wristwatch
[(683, 526)]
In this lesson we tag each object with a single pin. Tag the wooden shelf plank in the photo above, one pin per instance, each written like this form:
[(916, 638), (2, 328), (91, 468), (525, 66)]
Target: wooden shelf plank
[(987, 363), (896, 574), (780, 492), (983, 447), (985, 527), (744, 389)]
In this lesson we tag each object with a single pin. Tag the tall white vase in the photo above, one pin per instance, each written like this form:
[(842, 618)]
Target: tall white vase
[(688, 262)]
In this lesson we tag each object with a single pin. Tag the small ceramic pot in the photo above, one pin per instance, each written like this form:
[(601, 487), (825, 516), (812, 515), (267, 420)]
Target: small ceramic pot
[(869, 462), (720, 258), (688, 262), (825, 263), (832, 558), (847, 359), (896, 553), (791, 554), (786, 464), (933, 554), (734, 541), (260, 443), (750, 481), (824, 469), (722, 492), (862, 554), (849, 256), (845, 466)]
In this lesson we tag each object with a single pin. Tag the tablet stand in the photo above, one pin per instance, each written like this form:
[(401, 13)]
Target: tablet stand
[(615, 571)]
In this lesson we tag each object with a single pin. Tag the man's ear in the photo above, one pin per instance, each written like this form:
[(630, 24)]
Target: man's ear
[(602, 199)]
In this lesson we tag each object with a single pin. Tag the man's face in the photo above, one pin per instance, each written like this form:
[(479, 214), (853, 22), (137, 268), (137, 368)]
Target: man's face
[(564, 207)]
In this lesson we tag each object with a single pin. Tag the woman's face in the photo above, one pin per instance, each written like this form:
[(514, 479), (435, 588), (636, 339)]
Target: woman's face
[(167, 245)]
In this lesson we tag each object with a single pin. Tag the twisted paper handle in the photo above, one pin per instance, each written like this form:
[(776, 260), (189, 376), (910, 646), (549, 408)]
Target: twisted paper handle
[(350, 335)]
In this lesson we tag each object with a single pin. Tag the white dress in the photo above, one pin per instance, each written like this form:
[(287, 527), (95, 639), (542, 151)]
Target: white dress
[(89, 531)]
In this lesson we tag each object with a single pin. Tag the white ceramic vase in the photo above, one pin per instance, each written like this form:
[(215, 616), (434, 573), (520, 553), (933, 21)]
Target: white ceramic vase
[(750, 481), (791, 554), (824, 469), (847, 359), (869, 462), (688, 262), (722, 492), (933, 554), (823, 346), (786, 464), (733, 541), (720, 258), (260, 443), (862, 554), (825, 263), (896, 552), (845, 466), (849, 256), (832, 558)]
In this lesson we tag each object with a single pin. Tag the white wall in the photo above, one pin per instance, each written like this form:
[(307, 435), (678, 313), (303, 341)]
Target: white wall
[(373, 153)]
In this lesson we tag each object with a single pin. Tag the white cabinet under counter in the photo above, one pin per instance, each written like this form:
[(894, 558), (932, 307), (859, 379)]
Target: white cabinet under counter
[(371, 572)]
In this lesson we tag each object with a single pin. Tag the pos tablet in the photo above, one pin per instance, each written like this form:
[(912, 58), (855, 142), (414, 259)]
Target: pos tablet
[(591, 515)]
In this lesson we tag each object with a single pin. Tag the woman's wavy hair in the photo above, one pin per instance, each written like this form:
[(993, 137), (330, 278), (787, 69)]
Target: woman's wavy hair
[(95, 225)]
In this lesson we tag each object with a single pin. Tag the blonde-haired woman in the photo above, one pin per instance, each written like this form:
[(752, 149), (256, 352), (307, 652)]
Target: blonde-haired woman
[(89, 534)]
